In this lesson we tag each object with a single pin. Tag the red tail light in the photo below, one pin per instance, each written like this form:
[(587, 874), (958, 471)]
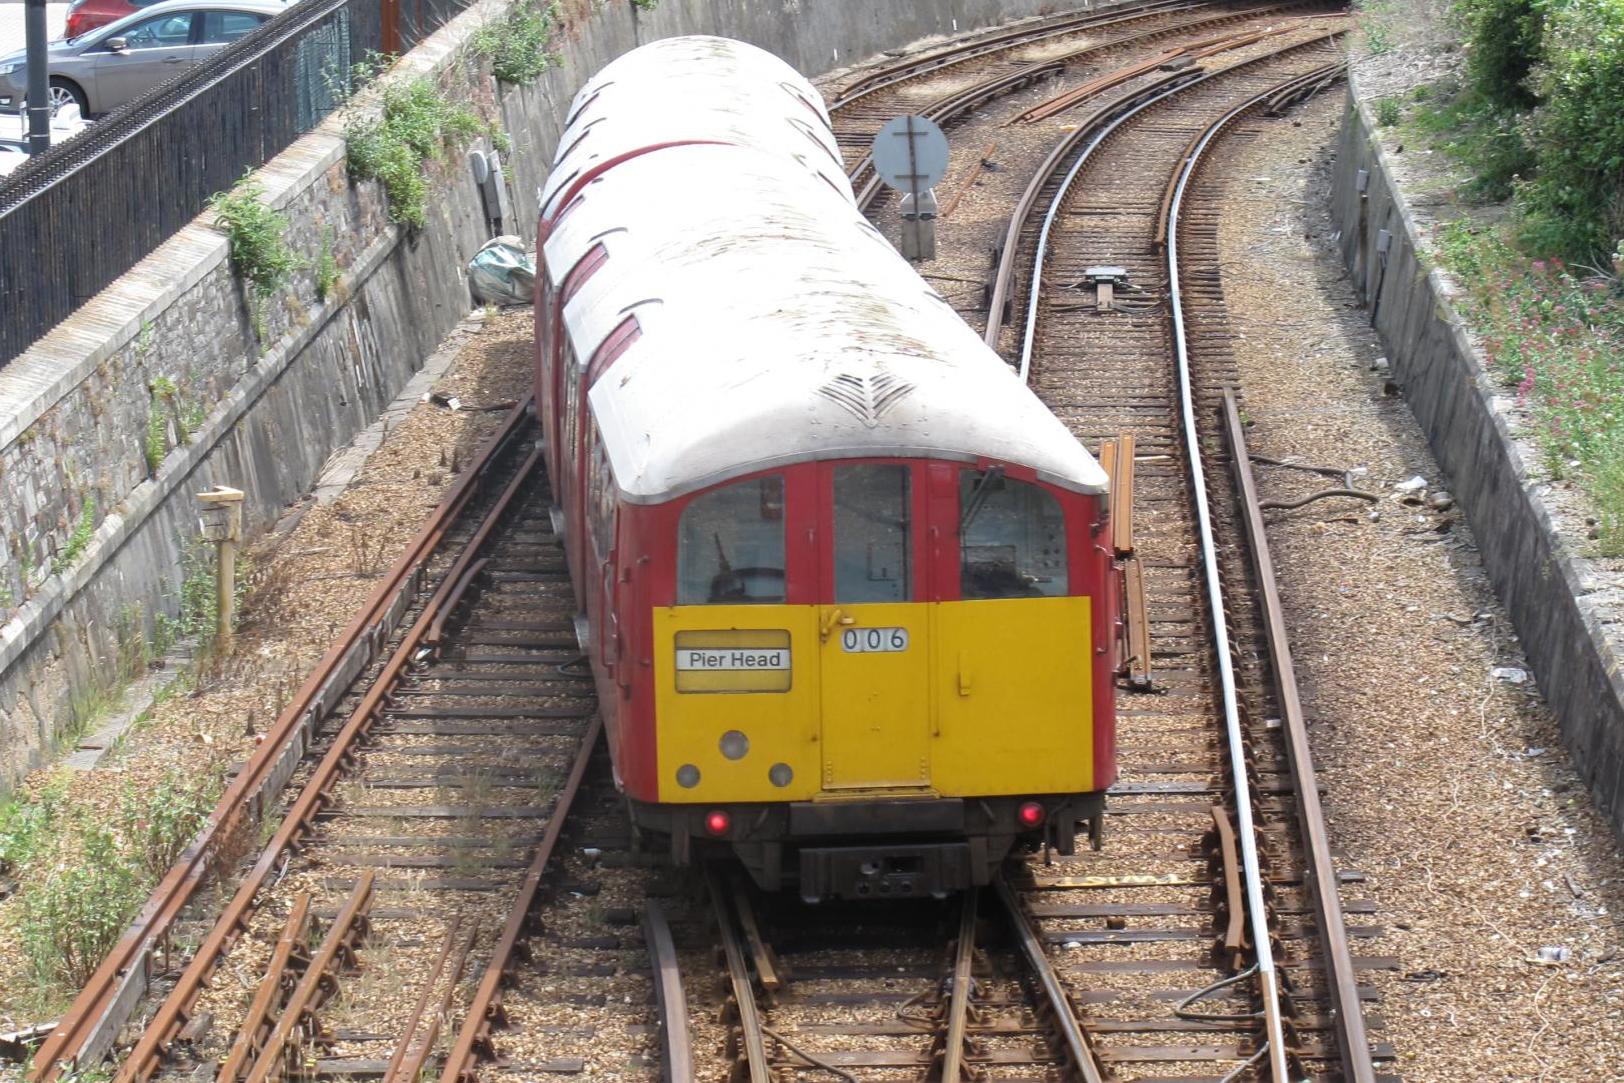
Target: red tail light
[(78, 23), (717, 822), (1031, 814)]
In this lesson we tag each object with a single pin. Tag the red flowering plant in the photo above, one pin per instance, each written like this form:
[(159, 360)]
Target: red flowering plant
[(1557, 336)]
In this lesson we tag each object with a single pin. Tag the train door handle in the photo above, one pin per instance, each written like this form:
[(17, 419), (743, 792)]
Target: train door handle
[(964, 675), (834, 617)]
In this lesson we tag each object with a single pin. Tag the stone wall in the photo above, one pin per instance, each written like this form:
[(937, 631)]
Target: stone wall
[(1534, 570), (163, 385)]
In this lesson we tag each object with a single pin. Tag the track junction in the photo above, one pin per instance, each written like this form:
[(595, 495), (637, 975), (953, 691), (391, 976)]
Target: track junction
[(453, 845)]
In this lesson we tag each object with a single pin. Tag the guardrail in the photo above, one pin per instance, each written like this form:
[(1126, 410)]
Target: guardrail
[(84, 212)]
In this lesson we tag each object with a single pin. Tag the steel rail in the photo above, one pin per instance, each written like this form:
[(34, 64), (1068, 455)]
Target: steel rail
[(1348, 1018), (868, 186), (314, 797), (1000, 40), (1270, 992), (1004, 276), (104, 1005), (1029, 335), (286, 954), (672, 1003), (411, 1052), (756, 1064), (318, 981), (958, 999), (1076, 1049), (484, 1008)]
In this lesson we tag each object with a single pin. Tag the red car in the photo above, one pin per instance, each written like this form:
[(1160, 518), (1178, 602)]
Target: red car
[(85, 15)]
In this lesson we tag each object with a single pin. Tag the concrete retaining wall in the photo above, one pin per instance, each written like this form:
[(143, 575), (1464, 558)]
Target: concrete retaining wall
[(1534, 571), (160, 386)]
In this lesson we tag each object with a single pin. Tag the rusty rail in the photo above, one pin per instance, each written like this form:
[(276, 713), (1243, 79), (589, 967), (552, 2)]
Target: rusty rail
[(669, 999), (315, 796), (485, 1008), (320, 978), (999, 41), (1353, 1044), (88, 1028), (289, 954), (1275, 1051)]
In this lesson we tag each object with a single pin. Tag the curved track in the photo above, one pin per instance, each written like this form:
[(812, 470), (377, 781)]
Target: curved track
[(466, 647)]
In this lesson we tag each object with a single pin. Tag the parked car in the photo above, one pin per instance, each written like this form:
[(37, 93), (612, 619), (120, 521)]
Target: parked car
[(107, 67), (87, 15)]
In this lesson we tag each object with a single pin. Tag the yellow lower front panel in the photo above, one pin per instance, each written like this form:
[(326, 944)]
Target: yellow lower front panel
[(737, 698), (789, 703), (1013, 696)]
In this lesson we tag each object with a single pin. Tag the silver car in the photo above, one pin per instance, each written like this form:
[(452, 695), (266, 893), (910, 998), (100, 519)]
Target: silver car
[(106, 67)]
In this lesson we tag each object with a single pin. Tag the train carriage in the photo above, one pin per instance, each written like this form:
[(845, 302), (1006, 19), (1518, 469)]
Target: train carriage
[(846, 584)]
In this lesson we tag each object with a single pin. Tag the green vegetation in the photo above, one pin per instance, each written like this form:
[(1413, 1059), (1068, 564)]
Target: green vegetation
[(645, 5), (1574, 206), (1505, 44), (79, 540), (259, 252), (198, 610), (26, 822), (416, 127), (1389, 112), (155, 443), (516, 45), (71, 916), (1540, 119), (326, 267), (87, 879), (1559, 338)]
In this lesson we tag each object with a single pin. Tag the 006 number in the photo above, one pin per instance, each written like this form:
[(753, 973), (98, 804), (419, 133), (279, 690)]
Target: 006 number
[(873, 640)]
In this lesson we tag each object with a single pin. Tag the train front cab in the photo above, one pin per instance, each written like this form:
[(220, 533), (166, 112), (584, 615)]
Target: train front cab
[(872, 676)]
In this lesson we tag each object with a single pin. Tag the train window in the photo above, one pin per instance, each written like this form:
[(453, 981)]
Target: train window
[(871, 534), (1012, 538), (730, 545), (601, 490)]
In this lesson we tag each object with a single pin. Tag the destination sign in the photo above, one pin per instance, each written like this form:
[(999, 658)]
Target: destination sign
[(732, 660)]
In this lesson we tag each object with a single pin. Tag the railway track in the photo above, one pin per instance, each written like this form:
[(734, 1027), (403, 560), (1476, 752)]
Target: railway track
[(1122, 331), (918, 990), (422, 842)]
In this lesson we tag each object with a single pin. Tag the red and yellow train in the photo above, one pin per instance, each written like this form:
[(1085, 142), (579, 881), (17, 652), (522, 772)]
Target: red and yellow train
[(846, 584)]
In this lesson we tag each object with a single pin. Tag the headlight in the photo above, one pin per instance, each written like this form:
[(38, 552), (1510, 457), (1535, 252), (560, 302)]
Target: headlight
[(10, 69)]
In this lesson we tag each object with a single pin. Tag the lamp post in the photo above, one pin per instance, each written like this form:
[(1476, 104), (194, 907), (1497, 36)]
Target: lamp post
[(39, 80)]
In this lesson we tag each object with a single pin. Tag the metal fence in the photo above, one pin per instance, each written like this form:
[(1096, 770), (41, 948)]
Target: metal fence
[(79, 215)]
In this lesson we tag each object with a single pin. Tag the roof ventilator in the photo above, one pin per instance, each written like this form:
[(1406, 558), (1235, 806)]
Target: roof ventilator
[(868, 397)]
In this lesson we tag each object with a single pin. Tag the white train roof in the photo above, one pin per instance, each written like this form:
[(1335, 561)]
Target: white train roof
[(778, 326), (690, 90)]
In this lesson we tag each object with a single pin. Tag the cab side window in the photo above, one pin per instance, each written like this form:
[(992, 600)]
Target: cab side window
[(1012, 538), (730, 545), (871, 534)]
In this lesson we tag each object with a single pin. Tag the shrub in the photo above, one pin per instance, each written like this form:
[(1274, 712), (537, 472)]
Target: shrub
[(156, 823), (516, 44), (415, 127), (1504, 38), (259, 254), (26, 823), (69, 918), (1388, 112), (1574, 207)]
